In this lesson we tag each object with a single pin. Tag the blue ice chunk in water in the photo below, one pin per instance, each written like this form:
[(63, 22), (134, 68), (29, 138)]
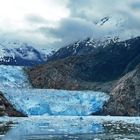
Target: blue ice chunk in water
[(54, 126)]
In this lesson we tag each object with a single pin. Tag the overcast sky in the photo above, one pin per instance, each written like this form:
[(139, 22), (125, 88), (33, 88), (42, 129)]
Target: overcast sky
[(55, 23)]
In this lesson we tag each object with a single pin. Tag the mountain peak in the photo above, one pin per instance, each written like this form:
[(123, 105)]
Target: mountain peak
[(18, 53)]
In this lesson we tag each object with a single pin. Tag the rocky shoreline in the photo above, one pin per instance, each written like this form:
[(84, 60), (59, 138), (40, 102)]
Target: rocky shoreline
[(6, 109), (125, 97)]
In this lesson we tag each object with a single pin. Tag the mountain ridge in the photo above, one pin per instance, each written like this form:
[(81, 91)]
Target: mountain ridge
[(21, 55), (107, 64)]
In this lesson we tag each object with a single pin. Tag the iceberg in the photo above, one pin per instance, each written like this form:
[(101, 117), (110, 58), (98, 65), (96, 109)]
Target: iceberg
[(34, 102)]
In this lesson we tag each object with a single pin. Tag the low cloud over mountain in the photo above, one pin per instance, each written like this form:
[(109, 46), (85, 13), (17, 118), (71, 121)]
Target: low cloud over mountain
[(58, 23)]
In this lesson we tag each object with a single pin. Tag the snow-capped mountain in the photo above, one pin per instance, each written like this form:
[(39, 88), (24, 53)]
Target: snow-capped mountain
[(17, 53), (112, 28), (82, 47), (103, 21), (114, 20), (117, 25)]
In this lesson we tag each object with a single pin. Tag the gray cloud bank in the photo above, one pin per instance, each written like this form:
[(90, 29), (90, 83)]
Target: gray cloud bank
[(124, 21)]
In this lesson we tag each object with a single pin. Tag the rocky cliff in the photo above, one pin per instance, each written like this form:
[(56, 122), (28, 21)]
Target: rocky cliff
[(125, 97), (6, 109)]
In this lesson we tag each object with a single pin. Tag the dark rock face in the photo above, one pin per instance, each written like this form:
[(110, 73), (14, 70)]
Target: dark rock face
[(6, 109), (108, 64), (61, 75), (75, 49), (125, 97)]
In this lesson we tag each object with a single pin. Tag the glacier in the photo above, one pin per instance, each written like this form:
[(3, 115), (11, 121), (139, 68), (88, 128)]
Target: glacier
[(56, 102), (13, 77), (60, 114), (18, 91)]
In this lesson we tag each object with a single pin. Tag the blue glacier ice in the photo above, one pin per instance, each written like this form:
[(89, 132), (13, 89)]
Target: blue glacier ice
[(56, 102), (13, 77), (16, 88)]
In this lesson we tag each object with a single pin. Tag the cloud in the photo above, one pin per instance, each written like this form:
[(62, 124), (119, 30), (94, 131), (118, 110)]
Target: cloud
[(135, 5), (35, 19), (21, 19), (124, 20), (83, 18), (93, 9), (56, 23), (71, 29), (131, 22)]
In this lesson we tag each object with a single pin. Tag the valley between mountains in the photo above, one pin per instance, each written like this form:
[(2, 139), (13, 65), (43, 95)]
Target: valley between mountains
[(92, 77)]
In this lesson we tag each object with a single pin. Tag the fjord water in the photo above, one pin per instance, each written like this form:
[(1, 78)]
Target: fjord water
[(70, 128), (59, 114)]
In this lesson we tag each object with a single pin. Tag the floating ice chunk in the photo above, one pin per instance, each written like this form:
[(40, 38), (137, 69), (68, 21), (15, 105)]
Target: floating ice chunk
[(42, 128), (56, 102), (71, 127)]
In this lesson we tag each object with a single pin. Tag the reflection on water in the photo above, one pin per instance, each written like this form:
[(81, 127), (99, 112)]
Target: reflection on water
[(5, 126), (67, 128)]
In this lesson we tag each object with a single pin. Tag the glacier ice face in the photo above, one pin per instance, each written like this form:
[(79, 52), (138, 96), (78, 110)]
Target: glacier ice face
[(56, 102), (16, 88), (13, 77)]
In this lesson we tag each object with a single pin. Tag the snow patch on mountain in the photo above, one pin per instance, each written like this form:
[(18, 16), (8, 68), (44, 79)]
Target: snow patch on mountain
[(82, 47), (17, 53), (117, 25)]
